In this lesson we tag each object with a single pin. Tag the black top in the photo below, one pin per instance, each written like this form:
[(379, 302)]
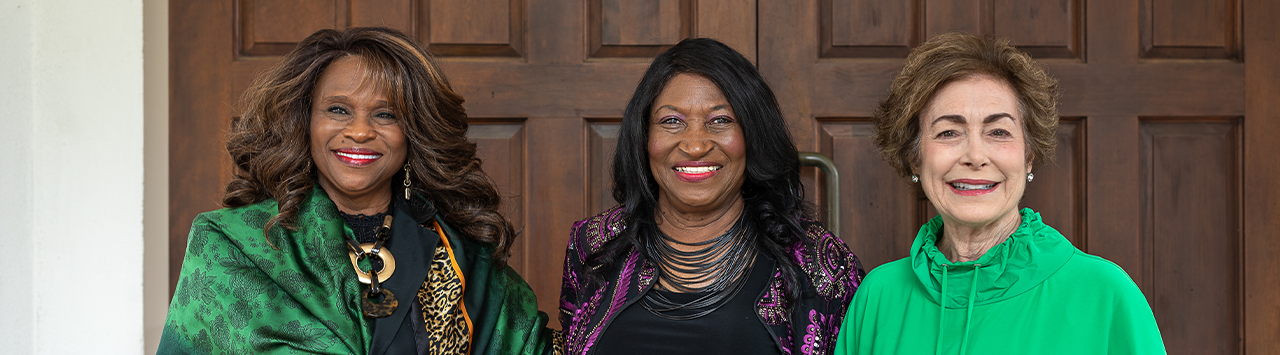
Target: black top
[(364, 227), (732, 329)]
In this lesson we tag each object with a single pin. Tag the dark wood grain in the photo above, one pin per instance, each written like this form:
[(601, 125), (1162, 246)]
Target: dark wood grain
[(1057, 192), (868, 29), (602, 139), (1190, 29), (873, 198), (270, 28), (1190, 214), (1261, 192), (1043, 28), (730, 21), (637, 29), (397, 14), (965, 16), (200, 107), (464, 28), (501, 147)]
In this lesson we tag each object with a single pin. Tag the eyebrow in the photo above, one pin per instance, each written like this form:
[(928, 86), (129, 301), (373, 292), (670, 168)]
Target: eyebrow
[(328, 99), (673, 108), (960, 119)]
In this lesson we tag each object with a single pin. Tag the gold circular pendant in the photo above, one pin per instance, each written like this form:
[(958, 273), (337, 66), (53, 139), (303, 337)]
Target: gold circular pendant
[(388, 264)]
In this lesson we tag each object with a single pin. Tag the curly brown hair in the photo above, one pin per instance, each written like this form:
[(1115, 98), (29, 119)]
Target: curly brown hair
[(269, 142), (954, 56)]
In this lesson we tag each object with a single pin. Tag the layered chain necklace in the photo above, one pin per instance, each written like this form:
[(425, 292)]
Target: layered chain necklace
[(721, 263)]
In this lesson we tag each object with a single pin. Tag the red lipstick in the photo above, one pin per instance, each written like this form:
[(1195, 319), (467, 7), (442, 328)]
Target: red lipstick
[(357, 157), (695, 171)]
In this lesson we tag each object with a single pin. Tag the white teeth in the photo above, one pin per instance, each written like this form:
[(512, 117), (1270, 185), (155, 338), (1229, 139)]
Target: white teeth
[(696, 169), (359, 156), (964, 186)]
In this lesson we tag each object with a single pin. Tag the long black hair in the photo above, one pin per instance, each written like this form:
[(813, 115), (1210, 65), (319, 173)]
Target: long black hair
[(773, 195)]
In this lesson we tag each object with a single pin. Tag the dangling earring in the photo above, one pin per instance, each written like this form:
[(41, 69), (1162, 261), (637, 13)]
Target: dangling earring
[(915, 179), (1030, 177), (407, 182)]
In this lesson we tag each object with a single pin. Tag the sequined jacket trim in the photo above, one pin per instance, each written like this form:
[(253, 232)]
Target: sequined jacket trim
[(834, 273)]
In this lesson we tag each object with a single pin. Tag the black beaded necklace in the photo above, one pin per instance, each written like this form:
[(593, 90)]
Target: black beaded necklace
[(723, 260)]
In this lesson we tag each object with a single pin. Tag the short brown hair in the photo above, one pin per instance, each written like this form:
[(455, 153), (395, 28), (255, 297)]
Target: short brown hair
[(954, 56)]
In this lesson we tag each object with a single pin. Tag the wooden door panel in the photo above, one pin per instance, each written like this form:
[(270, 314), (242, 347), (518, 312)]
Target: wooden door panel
[(501, 147), (473, 28), (875, 202), (1190, 29), (1191, 231), (397, 14), (1046, 29), (1058, 189), (273, 27), (602, 139)]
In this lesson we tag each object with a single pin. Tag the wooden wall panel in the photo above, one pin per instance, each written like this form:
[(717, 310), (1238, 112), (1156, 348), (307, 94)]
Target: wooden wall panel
[(959, 16), (397, 14), (500, 145), (873, 197), (889, 29), (602, 138), (1190, 29), (273, 27), (1042, 28), (473, 28), (1058, 189), (1261, 187), (868, 29), (730, 21), (1191, 232), (637, 29)]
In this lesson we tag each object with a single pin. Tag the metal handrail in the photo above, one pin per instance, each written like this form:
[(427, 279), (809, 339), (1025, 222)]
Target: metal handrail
[(833, 186)]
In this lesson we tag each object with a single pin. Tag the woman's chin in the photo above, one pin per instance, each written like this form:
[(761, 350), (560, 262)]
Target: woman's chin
[(976, 216)]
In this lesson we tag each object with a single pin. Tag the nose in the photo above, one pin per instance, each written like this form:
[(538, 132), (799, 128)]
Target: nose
[(975, 155), (359, 130), (696, 142)]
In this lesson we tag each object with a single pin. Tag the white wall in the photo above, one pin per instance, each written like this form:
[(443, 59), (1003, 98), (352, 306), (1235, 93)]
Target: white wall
[(71, 85), (16, 195)]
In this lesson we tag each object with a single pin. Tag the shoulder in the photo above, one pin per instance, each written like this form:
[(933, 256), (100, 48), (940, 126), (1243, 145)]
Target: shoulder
[(891, 275), (591, 234), (252, 217), (232, 224), (1098, 274), (834, 270)]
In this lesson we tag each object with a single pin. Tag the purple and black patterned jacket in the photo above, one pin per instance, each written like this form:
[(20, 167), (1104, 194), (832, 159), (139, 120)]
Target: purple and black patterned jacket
[(834, 273)]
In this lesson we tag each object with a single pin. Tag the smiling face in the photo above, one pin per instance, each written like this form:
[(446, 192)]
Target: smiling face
[(973, 162), (356, 140), (697, 153)]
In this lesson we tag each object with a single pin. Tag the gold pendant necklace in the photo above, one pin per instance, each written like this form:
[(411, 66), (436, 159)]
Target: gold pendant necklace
[(375, 301)]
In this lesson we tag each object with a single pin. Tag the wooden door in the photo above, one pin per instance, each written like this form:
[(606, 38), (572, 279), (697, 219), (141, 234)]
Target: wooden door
[(1166, 153), (545, 84)]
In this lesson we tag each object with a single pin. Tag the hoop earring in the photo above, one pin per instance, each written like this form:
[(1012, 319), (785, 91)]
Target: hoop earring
[(407, 182), (915, 179)]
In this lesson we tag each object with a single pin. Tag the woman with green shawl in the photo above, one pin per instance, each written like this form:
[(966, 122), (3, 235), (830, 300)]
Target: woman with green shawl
[(358, 220)]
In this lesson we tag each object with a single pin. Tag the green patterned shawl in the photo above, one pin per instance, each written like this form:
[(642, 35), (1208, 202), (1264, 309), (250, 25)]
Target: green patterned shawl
[(239, 295)]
